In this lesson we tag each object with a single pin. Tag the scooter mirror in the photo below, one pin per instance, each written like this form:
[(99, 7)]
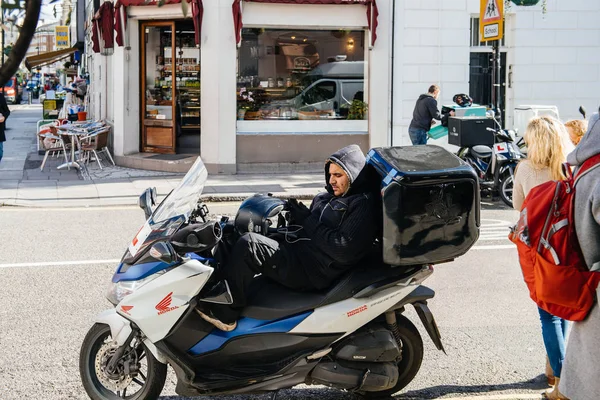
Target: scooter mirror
[(147, 200), (582, 111)]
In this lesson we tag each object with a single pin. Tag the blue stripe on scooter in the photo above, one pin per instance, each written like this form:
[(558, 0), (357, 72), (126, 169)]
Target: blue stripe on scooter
[(139, 271), (246, 326)]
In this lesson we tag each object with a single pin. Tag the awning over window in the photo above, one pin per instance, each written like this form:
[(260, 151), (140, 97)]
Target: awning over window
[(372, 12), (197, 11), (48, 58)]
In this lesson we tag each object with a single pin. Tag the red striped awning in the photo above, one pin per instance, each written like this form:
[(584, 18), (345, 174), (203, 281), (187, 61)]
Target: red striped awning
[(372, 12), (197, 10)]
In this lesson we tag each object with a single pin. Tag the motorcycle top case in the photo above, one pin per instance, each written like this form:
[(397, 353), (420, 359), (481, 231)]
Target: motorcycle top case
[(430, 200), (470, 131)]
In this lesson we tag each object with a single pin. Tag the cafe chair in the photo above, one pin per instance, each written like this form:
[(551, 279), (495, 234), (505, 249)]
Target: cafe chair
[(95, 144), (52, 144)]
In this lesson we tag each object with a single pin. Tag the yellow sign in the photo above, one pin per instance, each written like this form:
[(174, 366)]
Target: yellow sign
[(61, 34), (491, 20)]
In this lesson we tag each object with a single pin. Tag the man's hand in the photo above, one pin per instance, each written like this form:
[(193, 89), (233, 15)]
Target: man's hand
[(298, 212), (452, 113)]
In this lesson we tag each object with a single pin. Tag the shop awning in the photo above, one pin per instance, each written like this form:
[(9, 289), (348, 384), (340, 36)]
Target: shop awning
[(48, 57), (372, 12), (197, 11)]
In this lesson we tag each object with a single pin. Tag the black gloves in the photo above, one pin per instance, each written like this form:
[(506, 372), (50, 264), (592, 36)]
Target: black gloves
[(298, 212)]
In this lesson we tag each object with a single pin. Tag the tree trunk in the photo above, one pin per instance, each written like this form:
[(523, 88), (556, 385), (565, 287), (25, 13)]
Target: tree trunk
[(19, 50)]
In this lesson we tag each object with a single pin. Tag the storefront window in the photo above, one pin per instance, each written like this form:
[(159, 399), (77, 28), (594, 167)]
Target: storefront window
[(159, 73), (300, 74), (171, 78)]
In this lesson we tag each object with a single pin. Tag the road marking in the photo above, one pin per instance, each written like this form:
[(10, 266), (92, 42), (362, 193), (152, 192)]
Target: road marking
[(495, 247), (60, 263), (64, 209), (494, 229)]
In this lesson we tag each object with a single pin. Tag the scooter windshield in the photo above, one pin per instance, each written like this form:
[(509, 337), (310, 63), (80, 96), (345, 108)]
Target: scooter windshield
[(174, 210)]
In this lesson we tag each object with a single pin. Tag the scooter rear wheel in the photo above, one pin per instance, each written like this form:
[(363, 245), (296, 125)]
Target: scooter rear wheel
[(409, 365), (145, 384), (506, 189)]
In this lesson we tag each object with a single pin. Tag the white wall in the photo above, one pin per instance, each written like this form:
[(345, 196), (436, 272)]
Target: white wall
[(431, 47), (555, 57)]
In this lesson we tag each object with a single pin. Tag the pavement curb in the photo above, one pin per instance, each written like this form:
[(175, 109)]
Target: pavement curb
[(131, 200)]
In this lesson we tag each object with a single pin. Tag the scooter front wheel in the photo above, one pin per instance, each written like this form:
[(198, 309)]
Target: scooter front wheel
[(506, 189), (145, 376)]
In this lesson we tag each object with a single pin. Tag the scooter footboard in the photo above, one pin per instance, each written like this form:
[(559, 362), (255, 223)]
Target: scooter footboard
[(120, 329)]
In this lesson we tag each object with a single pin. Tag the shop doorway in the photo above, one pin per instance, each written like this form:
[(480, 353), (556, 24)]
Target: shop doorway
[(170, 88), (480, 80)]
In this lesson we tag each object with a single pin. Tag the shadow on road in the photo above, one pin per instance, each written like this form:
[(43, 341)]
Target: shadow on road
[(536, 384)]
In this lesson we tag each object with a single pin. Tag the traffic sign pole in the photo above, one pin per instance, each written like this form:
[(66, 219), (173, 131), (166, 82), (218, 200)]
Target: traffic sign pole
[(491, 27)]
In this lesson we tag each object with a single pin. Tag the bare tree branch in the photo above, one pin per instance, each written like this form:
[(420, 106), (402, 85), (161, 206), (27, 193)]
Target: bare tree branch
[(19, 50)]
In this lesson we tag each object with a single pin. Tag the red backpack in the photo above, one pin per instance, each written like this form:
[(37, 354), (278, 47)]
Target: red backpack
[(553, 266)]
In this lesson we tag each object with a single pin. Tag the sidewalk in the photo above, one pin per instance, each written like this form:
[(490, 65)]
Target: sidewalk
[(23, 184)]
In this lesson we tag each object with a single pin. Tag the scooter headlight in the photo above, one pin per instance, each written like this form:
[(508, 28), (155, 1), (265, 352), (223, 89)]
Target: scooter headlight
[(119, 290)]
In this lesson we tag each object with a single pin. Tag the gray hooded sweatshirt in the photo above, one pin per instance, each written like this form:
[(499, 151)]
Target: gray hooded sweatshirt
[(579, 376), (587, 195)]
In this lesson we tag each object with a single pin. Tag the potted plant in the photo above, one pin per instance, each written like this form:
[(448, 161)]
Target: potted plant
[(250, 102), (358, 109)]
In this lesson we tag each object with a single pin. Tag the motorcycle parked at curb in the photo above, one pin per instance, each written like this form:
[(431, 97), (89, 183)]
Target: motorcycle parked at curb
[(495, 166), (352, 336)]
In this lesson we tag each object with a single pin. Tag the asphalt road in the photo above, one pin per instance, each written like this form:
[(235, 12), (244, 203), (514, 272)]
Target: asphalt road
[(56, 264)]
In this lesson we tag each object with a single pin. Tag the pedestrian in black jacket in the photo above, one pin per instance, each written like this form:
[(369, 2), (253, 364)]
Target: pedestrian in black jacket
[(330, 237), (5, 111), (423, 115)]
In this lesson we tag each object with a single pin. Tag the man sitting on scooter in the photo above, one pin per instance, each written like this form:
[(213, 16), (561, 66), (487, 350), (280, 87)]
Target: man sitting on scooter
[(324, 241)]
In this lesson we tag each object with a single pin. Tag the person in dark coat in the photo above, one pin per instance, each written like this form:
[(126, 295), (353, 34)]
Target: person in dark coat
[(5, 111), (325, 241), (423, 115)]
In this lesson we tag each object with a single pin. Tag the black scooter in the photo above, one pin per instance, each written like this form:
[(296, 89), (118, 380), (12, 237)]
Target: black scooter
[(495, 166)]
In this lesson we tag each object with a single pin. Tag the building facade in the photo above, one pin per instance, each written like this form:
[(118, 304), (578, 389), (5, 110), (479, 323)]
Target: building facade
[(280, 86)]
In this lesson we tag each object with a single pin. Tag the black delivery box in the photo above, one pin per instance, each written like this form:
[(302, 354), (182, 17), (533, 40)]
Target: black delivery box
[(470, 131), (430, 202)]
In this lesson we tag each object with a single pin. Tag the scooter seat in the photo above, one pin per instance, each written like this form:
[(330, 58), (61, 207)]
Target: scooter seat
[(481, 151), (269, 300)]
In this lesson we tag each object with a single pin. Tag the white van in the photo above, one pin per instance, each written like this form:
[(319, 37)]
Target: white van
[(329, 87)]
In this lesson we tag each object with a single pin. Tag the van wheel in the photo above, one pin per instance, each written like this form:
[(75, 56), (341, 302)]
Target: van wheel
[(412, 357)]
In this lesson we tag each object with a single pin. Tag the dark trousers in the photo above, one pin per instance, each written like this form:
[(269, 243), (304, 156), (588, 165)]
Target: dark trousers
[(255, 254)]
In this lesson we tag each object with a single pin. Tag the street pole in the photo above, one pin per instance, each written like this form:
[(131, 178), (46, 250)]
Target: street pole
[(496, 80)]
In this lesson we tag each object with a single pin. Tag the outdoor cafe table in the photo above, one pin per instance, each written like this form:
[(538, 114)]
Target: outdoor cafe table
[(75, 131)]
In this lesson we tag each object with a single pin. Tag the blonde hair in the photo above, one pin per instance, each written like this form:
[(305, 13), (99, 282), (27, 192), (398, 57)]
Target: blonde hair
[(578, 127), (545, 145)]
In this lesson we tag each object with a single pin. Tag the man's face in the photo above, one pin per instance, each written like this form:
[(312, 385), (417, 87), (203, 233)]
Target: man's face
[(436, 94), (338, 180)]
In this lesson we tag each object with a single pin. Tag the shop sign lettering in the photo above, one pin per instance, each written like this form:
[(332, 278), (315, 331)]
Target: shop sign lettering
[(301, 63)]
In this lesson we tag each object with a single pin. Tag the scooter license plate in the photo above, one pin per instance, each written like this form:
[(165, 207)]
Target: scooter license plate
[(501, 147)]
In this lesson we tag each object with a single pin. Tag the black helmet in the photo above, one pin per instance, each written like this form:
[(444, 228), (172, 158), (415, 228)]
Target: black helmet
[(463, 100)]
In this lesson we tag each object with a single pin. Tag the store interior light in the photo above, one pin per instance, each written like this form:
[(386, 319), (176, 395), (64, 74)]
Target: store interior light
[(350, 44), (293, 37)]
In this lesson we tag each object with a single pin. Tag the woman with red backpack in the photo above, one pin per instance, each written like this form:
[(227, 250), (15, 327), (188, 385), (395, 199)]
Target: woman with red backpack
[(544, 137)]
